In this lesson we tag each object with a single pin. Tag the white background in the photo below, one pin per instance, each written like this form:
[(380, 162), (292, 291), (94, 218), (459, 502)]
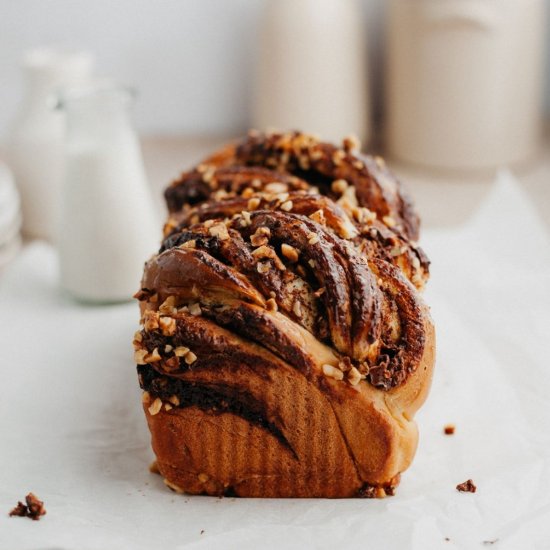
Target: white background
[(191, 60)]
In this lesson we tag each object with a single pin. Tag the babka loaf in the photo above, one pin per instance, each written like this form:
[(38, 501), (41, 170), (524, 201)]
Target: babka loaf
[(285, 346)]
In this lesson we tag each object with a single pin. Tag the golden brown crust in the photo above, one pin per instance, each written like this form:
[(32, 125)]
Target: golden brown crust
[(285, 348)]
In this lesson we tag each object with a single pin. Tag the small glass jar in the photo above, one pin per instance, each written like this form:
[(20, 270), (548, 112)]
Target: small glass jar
[(108, 224)]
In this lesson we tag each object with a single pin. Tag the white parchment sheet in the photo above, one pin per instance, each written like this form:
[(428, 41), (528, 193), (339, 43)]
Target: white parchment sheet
[(72, 429)]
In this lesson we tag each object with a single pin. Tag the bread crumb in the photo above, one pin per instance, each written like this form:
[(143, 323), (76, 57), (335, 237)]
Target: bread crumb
[(467, 487)]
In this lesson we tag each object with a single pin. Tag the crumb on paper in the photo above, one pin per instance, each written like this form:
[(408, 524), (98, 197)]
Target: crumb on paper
[(202, 531), (447, 539), (33, 509), (466, 487), (487, 542), (449, 429)]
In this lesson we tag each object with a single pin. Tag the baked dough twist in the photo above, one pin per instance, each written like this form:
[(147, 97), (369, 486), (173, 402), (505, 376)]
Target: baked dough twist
[(285, 347)]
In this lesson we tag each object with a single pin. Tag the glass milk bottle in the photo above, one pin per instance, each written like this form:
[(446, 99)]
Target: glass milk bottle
[(108, 225), (35, 142), (465, 81)]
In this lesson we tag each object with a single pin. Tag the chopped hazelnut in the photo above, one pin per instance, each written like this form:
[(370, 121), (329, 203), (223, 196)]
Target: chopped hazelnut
[(189, 244), (339, 186), (245, 219), (263, 267), (247, 193), (286, 206), (261, 236), (220, 231), (139, 356), (153, 357), (167, 325), (190, 358), (318, 216), (174, 400), (145, 397), (333, 372), (195, 309), (168, 306), (297, 309), (173, 486), (253, 203), (313, 238), (150, 320), (181, 351), (290, 252), (351, 143), (354, 376), (271, 305), (276, 187), (155, 407)]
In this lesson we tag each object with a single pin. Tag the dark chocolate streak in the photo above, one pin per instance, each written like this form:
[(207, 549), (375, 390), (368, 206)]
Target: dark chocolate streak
[(211, 398)]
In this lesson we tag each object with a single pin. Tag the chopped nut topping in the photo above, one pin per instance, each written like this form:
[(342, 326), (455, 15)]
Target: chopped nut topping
[(168, 306), (281, 197), (333, 372), (380, 162), (276, 187), (290, 252), (167, 406), (153, 357), (319, 292), (339, 186), (263, 267), (297, 309), (351, 143), (267, 252), (338, 156), (354, 376), (181, 351), (247, 193), (271, 305), (313, 238), (261, 236), (358, 164), (190, 358), (449, 429), (389, 221), (318, 216), (253, 203), (203, 478), (155, 406), (195, 309), (139, 356), (168, 348), (150, 320), (246, 220), (286, 206), (189, 244), (220, 231), (138, 337), (312, 264), (173, 486), (316, 154), (363, 215), (145, 397), (194, 219), (174, 400), (208, 223), (168, 326), (397, 251)]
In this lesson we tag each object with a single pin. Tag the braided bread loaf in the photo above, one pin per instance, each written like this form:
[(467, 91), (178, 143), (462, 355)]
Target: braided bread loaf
[(285, 347)]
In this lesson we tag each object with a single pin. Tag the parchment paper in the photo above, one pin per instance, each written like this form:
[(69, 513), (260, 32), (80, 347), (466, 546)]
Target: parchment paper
[(72, 430)]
